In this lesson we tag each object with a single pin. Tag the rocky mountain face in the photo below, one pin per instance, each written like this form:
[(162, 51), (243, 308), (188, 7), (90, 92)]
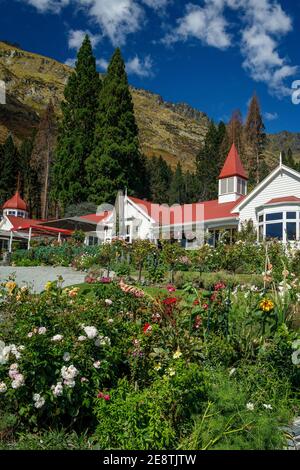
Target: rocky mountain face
[(174, 131)]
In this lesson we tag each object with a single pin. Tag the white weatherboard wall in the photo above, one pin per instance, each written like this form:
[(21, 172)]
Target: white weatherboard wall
[(135, 217), (282, 184)]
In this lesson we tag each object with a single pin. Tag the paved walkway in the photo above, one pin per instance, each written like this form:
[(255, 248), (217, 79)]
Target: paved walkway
[(36, 277)]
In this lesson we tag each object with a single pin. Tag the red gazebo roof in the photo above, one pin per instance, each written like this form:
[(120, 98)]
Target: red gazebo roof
[(15, 202)]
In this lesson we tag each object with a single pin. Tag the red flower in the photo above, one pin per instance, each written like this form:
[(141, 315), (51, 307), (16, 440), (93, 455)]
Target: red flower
[(102, 395), (205, 306), (219, 286), (106, 397), (196, 302), (170, 301), (147, 328)]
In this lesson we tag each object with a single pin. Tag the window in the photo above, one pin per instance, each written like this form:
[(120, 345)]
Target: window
[(223, 186), (239, 186), (274, 231), (275, 216), (291, 231), (291, 215), (243, 187), (261, 218), (230, 187), (92, 241)]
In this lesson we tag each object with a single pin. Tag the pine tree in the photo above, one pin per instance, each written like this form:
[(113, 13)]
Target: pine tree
[(42, 157), (76, 133), (236, 132), (208, 161), (177, 187), (9, 169), (115, 162), (256, 139), (159, 175)]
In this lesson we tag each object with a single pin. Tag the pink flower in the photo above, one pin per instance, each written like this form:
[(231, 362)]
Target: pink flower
[(147, 328), (106, 397), (220, 285), (171, 288)]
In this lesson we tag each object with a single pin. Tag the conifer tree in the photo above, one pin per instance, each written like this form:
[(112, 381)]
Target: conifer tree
[(115, 162), (208, 161), (42, 157), (9, 169), (159, 174), (236, 132), (177, 187), (76, 133), (29, 184), (256, 139)]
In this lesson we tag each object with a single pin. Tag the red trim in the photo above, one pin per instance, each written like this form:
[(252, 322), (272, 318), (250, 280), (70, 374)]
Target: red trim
[(284, 199), (15, 202)]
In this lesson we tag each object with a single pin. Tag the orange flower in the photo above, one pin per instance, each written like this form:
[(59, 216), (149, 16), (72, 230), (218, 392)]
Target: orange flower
[(266, 305)]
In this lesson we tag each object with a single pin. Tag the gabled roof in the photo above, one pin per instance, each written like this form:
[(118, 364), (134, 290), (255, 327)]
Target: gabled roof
[(19, 223), (264, 182), (15, 202), (233, 165), (187, 213), (278, 200)]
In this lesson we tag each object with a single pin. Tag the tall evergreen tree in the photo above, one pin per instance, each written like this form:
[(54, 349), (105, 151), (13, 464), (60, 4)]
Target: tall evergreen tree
[(115, 162), (208, 161), (177, 187), (236, 131), (42, 157), (9, 169), (256, 140), (76, 133), (159, 175)]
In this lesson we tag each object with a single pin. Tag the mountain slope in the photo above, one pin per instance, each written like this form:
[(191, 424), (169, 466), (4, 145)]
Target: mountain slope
[(174, 131)]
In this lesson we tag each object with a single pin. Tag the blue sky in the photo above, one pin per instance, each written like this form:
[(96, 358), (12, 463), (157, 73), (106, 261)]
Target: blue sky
[(212, 54)]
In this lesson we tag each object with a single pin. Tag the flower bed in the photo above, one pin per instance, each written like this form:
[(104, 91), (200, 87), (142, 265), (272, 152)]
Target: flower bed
[(195, 369)]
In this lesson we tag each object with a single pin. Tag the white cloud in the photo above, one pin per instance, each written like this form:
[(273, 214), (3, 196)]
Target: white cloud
[(142, 68), (205, 23), (262, 23), (271, 116), (76, 37), (117, 18), (102, 64), (70, 62), (157, 4), (48, 5)]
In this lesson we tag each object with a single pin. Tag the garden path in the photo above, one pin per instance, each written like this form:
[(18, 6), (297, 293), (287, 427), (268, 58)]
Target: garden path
[(38, 276)]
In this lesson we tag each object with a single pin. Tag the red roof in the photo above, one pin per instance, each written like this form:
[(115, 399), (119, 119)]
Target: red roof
[(95, 217), (233, 165), (284, 199), (187, 213), (16, 202), (19, 223)]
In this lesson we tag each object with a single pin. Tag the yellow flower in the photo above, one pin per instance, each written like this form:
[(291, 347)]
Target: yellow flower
[(10, 286), (73, 292), (48, 286), (266, 305), (171, 371), (177, 354), (158, 366)]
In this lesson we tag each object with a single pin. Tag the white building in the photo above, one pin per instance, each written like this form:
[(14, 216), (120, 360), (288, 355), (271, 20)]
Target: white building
[(273, 206)]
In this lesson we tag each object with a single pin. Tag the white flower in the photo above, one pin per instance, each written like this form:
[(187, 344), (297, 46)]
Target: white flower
[(13, 371), (296, 357), (66, 356), (42, 330), (232, 371), (171, 371), (3, 387), (250, 406), (39, 401), (298, 297), (57, 389), (18, 381), (268, 407), (57, 338), (97, 364), (108, 301), (82, 338), (91, 331), (30, 334), (110, 320), (69, 374)]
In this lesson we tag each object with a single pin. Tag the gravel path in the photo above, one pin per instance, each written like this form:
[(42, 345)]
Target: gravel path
[(36, 277)]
